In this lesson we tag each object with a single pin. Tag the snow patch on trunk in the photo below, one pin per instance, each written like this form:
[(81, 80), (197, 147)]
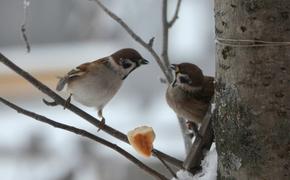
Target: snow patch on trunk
[(209, 168)]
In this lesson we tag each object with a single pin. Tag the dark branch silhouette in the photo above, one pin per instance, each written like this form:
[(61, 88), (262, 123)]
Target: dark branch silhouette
[(84, 133), (23, 26), (59, 100), (200, 145)]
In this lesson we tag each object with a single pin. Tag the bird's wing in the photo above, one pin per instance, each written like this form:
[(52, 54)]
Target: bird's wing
[(79, 71), (74, 73), (206, 94), (208, 90)]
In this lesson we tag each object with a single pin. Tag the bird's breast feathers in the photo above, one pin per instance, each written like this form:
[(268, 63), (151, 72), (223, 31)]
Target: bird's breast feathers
[(96, 87)]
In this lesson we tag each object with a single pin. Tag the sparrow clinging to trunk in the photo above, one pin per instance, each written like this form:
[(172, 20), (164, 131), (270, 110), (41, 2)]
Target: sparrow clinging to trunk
[(190, 93)]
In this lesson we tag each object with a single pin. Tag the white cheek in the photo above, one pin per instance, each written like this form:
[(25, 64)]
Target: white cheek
[(114, 64)]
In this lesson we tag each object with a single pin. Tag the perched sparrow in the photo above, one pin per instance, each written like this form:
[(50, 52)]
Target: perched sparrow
[(95, 83), (190, 93)]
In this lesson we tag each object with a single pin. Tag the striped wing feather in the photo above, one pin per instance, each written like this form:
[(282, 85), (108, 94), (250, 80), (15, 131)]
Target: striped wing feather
[(78, 71)]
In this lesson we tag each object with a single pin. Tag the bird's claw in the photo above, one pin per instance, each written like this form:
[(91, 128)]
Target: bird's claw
[(67, 102), (193, 127), (102, 124)]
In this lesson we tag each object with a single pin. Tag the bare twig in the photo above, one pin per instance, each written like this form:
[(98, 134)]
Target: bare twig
[(175, 16), (151, 41), (193, 160), (165, 164), (165, 37), (136, 38), (24, 36), (166, 26), (187, 139), (84, 133), (40, 86), (23, 26)]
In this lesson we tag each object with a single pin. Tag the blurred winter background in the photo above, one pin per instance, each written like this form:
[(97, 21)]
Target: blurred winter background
[(66, 33)]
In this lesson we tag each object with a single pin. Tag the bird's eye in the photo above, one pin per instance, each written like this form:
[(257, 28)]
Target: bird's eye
[(126, 65), (184, 80)]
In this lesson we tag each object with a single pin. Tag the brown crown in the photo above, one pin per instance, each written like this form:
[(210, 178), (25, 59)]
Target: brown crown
[(126, 53), (194, 72)]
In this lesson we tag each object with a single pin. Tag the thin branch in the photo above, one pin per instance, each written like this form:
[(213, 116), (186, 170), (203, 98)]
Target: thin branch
[(136, 38), (40, 86), (175, 17), (165, 37), (193, 160), (24, 36), (151, 41), (166, 26), (84, 133), (166, 165), (23, 26), (187, 139)]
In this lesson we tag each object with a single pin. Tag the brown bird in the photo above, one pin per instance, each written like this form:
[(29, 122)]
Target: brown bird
[(95, 83), (190, 94)]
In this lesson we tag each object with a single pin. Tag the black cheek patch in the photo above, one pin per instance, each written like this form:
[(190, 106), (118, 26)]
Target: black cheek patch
[(126, 65), (184, 80)]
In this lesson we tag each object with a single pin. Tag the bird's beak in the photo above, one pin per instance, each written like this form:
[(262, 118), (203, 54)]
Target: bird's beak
[(173, 67), (144, 61)]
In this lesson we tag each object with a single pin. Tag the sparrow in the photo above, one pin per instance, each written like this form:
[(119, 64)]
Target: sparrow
[(94, 84), (190, 94)]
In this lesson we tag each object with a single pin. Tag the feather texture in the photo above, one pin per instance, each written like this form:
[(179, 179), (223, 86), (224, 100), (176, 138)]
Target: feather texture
[(191, 101)]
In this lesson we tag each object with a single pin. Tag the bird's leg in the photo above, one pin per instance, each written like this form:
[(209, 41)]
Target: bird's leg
[(194, 127), (67, 102), (103, 121)]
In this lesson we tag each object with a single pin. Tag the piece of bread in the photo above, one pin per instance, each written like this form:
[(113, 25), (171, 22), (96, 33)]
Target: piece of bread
[(141, 138)]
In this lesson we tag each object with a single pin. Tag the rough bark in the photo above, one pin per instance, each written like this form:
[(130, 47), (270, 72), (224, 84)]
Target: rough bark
[(252, 124)]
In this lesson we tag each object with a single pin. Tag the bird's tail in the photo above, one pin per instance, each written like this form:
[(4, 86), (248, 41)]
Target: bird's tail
[(61, 83)]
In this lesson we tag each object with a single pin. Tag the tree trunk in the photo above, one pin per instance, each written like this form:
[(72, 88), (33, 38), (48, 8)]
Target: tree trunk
[(252, 124)]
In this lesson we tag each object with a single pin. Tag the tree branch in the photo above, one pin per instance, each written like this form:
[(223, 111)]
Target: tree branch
[(165, 164), (151, 41), (40, 86), (166, 26), (175, 17), (165, 37), (84, 133), (136, 38), (187, 139), (193, 160), (23, 26)]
